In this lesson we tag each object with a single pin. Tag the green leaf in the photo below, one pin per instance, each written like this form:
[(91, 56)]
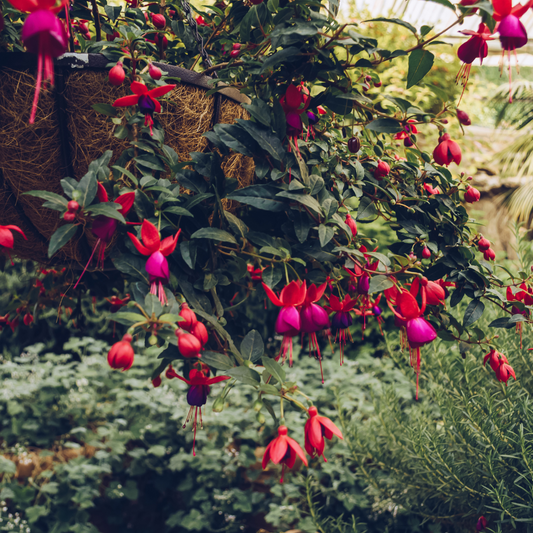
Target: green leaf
[(272, 276), (265, 138), (219, 361), (445, 3), (366, 210), (400, 22), (176, 210), (501, 323), (245, 375), (108, 209), (7, 466), (152, 305), (384, 125), (99, 166), (236, 224), (252, 346), (126, 318), (214, 234), (379, 284), (304, 199), (61, 236), (420, 63), (325, 234), (35, 512), (130, 264), (473, 312), (259, 196), (260, 111), (291, 53), (87, 186), (126, 173), (54, 201), (274, 368), (105, 109)]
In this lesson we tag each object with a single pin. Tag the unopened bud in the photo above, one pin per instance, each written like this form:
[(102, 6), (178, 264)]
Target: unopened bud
[(258, 405), (218, 404), (152, 341), (260, 417)]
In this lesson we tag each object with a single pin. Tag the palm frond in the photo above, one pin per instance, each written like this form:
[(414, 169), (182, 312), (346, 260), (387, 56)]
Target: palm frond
[(520, 203), (518, 114), (516, 159)]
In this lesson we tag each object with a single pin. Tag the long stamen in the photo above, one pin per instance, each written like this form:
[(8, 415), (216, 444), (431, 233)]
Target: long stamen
[(88, 262), (39, 80)]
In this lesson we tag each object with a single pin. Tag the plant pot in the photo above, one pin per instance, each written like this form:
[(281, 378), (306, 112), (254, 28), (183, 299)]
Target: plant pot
[(68, 134)]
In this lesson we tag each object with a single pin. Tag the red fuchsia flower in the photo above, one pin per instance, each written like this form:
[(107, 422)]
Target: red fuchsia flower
[(117, 75), (28, 319), (472, 195), (7, 240), (200, 332), (463, 118), (316, 428), (314, 318), (381, 170), (426, 252), (288, 322), (156, 382), (255, 273), (475, 47), (499, 363), (431, 190), (520, 296), (409, 129), (419, 330), (159, 21), (481, 524), (42, 34), (189, 317), (145, 100), (435, 294), (200, 385), (295, 102), (342, 319), (489, 255), (283, 450), (104, 227), (157, 250), (483, 244), (351, 223), (188, 344), (155, 72), (121, 354), (117, 303), (200, 21), (447, 151)]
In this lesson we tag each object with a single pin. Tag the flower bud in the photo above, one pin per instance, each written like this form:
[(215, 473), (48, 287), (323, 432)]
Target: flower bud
[(363, 284), (121, 354), (159, 21), (463, 118), (189, 317), (351, 223), (426, 252), (234, 53), (377, 84), (117, 75), (152, 341), (260, 417), (155, 72), (489, 255), (28, 319), (472, 195), (237, 46), (483, 244), (382, 169), (156, 382), (376, 310), (354, 145), (69, 217), (200, 332), (188, 345), (73, 206), (258, 405), (219, 404)]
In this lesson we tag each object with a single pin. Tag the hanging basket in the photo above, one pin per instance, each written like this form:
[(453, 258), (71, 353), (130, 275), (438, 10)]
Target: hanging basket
[(68, 134)]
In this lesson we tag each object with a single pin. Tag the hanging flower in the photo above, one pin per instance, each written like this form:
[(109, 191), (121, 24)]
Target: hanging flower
[(288, 322), (197, 395), (314, 318), (523, 296), (472, 195), (146, 100), (7, 240), (117, 75), (473, 48), (431, 190), (188, 345), (42, 34), (409, 129), (121, 354), (481, 524), (342, 319), (295, 102), (283, 450), (463, 118), (157, 250), (381, 170), (189, 317), (435, 293), (351, 223), (447, 151), (499, 363), (316, 428)]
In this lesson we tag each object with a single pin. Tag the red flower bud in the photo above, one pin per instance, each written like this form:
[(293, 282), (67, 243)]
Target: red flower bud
[(483, 244), (237, 46), (463, 118), (472, 195), (117, 75), (426, 252), (121, 354), (28, 319), (155, 72), (447, 151), (189, 317), (156, 382), (188, 345), (489, 255), (73, 206), (234, 53), (350, 222), (482, 521), (382, 169), (69, 217), (159, 21), (200, 332), (377, 84)]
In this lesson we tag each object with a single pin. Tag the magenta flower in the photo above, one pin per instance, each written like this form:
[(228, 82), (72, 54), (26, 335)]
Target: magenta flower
[(157, 268)]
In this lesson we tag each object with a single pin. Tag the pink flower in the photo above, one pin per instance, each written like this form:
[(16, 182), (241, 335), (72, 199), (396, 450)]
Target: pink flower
[(472, 195), (117, 75), (381, 170), (351, 223), (121, 354), (316, 428), (447, 151)]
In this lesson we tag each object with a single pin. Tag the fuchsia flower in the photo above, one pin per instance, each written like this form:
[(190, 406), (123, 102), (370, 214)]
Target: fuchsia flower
[(447, 151), (295, 102), (351, 223), (157, 250), (7, 240), (499, 363), (146, 100), (435, 293), (481, 524), (475, 47), (197, 395), (42, 34), (419, 330), (342, 319), (314, 318), (283, 450), (316, 428), (121, 354), (520, 296), (431, 190), (288, 322), (472, 195)]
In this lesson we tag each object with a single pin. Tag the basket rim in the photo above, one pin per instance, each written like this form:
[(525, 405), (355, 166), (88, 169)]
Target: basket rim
[(70, 60)]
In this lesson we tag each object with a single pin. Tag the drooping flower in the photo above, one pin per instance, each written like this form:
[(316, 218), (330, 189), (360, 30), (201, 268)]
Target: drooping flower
[(157, 250), (104, 227), (200, 332), (189, 317), (121, 354), (499, 363), (435, 294), (200, 384), (473, 48), (523, 295), (42, 34), (146, 100), (316, 428), (409, 129), (381, 170), (463, 118), (447, 151), (117, 75), (431, 190), (419, 330), (283, 450), (288, 322), (295, 101), (342, 319), (351, 223), (481, 524), (188, 345), (117, 303), (472, 195), (314, 318), (7, 240)]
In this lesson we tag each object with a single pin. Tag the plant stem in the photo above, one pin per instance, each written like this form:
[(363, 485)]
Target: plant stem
[(96, 16)]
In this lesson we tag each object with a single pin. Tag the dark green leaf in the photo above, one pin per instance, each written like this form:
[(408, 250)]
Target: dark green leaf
[(87, 187), (501, 323), (61, 236), (379, 284), (245, 375), (216, 360), (214, 234), (108, 209), (473, 312), (252, 346), (54, 201), (292, 53), (274, 368), (385, 125), (105, 109), (420, 63)]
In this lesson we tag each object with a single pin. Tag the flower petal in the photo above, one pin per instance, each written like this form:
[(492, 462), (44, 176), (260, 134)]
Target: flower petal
[(168, 245), (138, 88), (101, 193), (278, 449), (150, 236), (137, 243), (297, 448), (126, 101), (126, 200), (272, 296), (408, 305), (15, 228), (161, 91), (330, 426)]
